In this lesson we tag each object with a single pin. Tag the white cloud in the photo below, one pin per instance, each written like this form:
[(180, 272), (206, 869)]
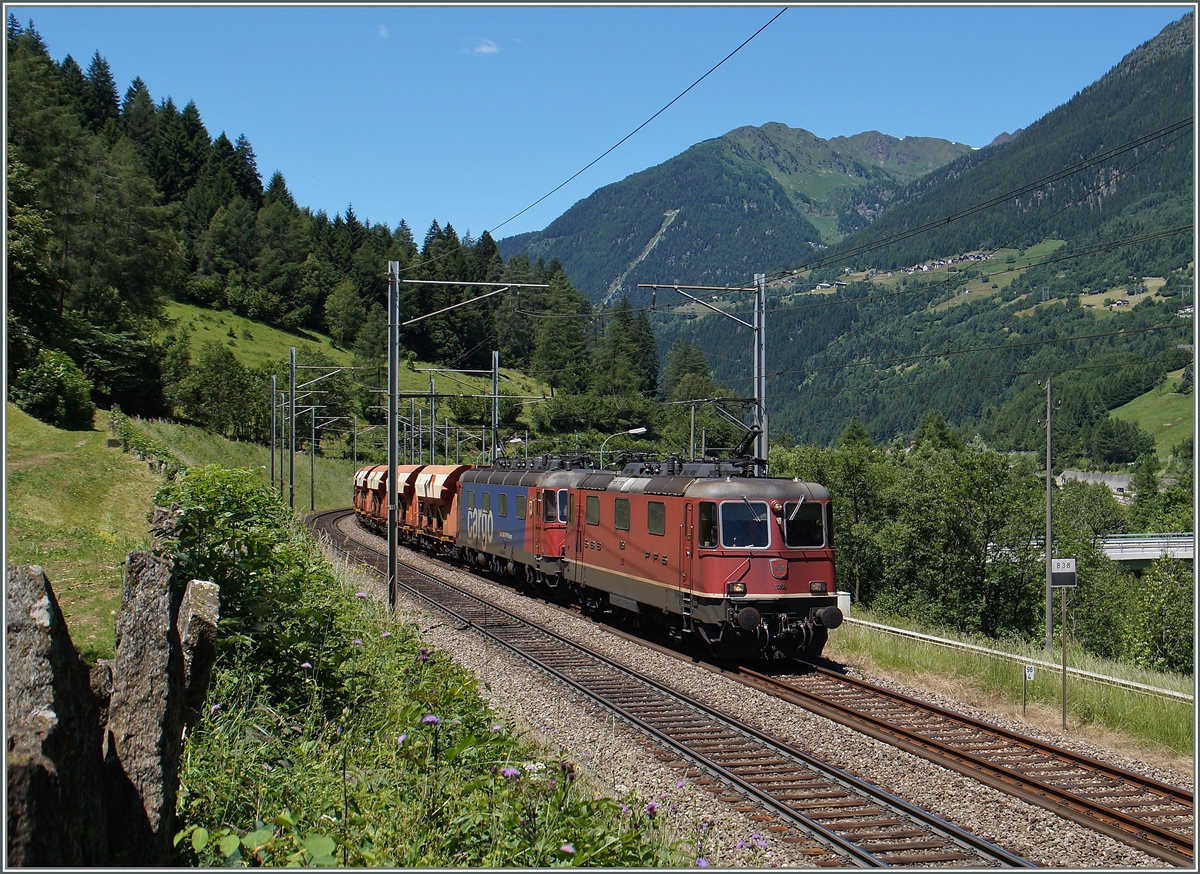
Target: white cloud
[(383, 31), (486, 47)]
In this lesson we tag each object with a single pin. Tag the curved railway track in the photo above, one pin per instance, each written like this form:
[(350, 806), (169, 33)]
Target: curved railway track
[(852, 821), (1144, 813)]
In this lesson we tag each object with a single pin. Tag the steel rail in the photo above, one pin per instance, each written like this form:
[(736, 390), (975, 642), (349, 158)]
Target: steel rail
[(1159, 841)]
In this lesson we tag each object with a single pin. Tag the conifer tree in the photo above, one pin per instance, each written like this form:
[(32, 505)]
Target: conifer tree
[(100, 100), (137, 115)]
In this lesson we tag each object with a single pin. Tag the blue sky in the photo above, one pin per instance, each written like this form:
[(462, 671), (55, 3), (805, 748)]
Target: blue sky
[(468, 115)]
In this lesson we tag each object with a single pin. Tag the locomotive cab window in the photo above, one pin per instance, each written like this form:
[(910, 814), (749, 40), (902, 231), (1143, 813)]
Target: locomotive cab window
[(707, 525), (549, 505), (592, 505), (470, 500), (744, 524), (566, 506), (621, 514), (656, 518), (803, 524), (521, 500), (502, 504), (487, 502)]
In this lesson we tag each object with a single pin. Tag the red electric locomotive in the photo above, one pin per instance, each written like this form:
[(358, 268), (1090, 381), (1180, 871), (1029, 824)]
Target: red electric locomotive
[(743, 564)]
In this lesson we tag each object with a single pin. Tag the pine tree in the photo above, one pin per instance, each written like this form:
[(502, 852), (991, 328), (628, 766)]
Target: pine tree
[(75, 84), (137, 116), (249, 183), (100, 100)]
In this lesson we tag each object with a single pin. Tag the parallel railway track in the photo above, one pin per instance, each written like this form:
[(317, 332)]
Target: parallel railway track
[(1144, 813), (851, 821)]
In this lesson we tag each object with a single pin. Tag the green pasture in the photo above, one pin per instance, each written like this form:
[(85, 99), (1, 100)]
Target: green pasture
[(1165, 413), (76, 507)]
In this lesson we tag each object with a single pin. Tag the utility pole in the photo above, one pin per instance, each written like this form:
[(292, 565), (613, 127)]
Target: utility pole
[(292, 429), (495, 403), (393, 390), (432, 423), (1049, 530), (274, 399), (760, 365)]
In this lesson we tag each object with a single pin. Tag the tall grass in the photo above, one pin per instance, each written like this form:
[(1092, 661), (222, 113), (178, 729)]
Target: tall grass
[(1161, 723)]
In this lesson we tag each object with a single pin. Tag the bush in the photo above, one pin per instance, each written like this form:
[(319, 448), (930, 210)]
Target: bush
[(56, 392)]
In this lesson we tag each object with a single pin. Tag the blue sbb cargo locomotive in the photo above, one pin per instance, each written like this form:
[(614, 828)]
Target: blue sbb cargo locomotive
[(745, 564)]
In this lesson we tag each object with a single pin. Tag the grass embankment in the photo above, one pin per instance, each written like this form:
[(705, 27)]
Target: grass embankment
[(76, 507), (1152, 725)]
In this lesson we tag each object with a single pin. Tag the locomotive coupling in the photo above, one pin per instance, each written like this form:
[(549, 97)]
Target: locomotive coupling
[(829, 617)]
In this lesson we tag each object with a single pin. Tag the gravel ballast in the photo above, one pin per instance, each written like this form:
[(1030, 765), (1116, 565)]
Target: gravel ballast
[(619, 761)]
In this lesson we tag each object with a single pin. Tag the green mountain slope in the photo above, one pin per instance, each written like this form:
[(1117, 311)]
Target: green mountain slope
[(754, 199), (913, 326)]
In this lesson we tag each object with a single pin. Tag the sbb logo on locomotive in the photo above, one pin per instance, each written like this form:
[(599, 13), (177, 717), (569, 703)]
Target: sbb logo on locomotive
[(480, 525)]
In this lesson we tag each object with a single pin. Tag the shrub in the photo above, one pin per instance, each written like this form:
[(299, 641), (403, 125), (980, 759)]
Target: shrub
[(56, 392)]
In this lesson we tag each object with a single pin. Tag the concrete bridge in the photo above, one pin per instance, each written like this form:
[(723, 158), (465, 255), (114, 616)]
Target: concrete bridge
[(1139, 551)]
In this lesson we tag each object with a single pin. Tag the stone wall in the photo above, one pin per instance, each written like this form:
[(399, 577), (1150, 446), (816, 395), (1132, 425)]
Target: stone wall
[(93, 756)]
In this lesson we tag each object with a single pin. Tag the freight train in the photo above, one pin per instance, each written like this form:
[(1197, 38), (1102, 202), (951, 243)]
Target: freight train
[(739, 563)]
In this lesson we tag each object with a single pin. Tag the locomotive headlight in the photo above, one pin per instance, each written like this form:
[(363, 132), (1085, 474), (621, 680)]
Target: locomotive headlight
[(735, 589), (818, 587)]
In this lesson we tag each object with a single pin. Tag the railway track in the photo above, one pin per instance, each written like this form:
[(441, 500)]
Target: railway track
[(851, 821), (1151, 816)]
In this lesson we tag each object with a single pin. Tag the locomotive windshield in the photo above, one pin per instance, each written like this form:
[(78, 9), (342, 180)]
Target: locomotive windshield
[(803, 524), (744, 523)]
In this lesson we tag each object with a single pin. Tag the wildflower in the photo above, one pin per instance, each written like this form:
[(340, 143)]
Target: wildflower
[(360, 594), (401, 739), (431, 720), (213, 710), (621, 787), (663, 796), (567, 848), (587, 756), (511, 773), (625, 809), (553, 782), (458, 722), (306, 665), (497, 728), (651, 809), (741, 845), (680, 784), (357, 642), (423, 654), (386, 634), (701, 862), (267, 767)]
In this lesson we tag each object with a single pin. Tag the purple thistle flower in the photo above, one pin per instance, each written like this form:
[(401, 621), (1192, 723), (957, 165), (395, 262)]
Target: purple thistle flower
[(511, 773), (401, 739), (651, 809), (357, 642), (625, 809), (701, 862), (567, 848), (386, 634), (213, 710), (497, 728), (553, 782), (360, 594), (680, 784), (306, 665), (663, 796), (431, 720)]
